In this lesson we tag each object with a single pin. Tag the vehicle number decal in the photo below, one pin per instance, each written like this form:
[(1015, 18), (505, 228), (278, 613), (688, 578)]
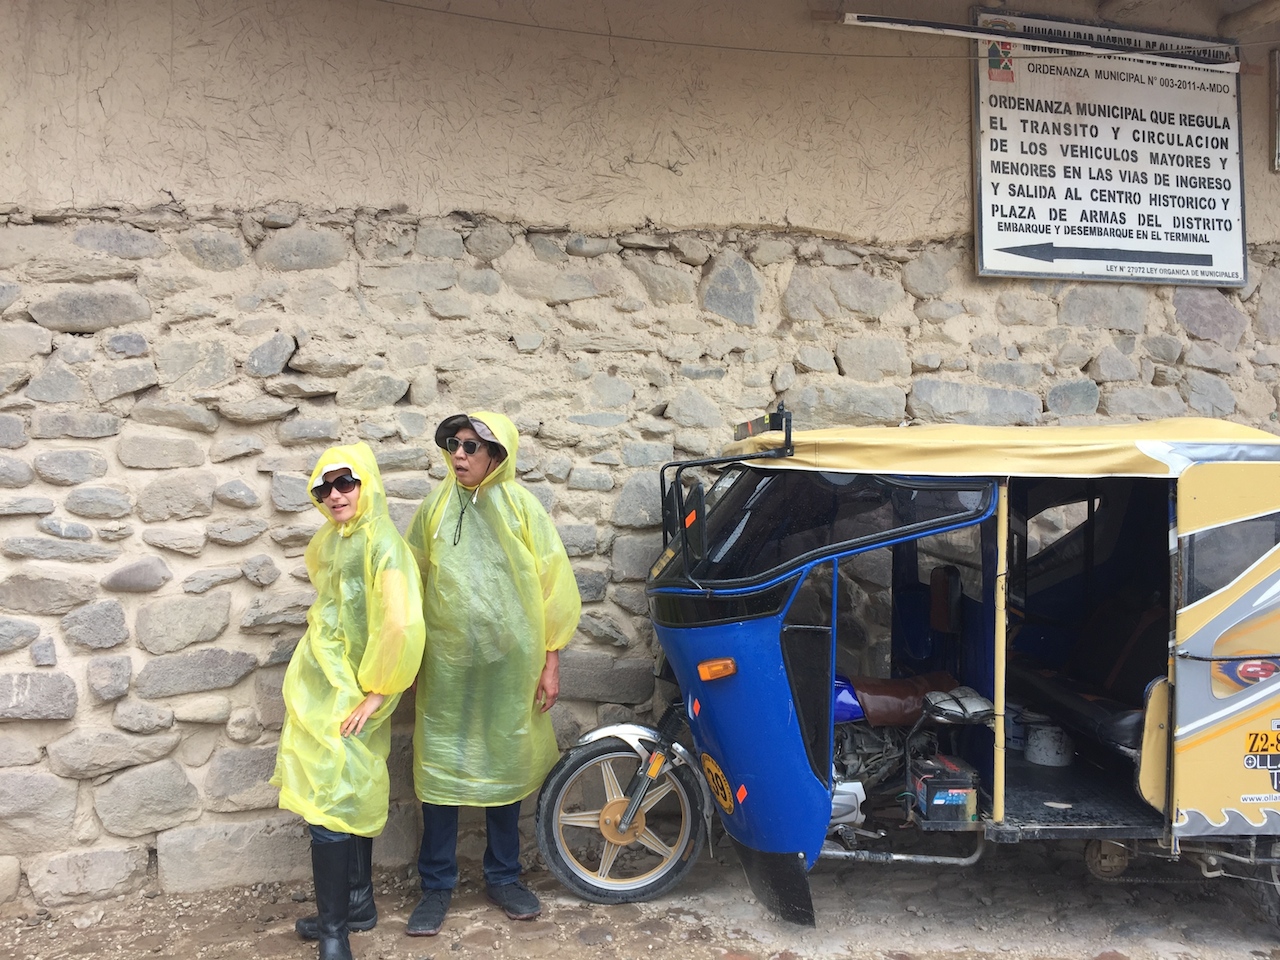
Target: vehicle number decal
[(718, 783), (1262, 752), (1262, 742)]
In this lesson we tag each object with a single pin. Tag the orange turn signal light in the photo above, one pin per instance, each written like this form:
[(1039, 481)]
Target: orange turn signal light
[(717, 668)]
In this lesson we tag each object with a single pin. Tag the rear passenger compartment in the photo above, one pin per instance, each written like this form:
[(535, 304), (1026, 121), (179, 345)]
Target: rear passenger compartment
[(1089, 626)]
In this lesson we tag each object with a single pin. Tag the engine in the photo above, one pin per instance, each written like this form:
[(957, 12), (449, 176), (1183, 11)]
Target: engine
[(868, 754), (864, 758)]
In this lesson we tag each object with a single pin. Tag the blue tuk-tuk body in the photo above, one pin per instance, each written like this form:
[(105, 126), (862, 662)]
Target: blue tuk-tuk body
[(764, 733)]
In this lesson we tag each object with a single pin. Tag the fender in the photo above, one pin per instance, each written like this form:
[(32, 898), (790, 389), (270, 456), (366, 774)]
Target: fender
[(635, 735)]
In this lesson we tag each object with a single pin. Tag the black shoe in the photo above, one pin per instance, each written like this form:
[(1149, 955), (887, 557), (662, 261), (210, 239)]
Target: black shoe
[(362, 913), (428, 916), (330, 867), (516, 900)]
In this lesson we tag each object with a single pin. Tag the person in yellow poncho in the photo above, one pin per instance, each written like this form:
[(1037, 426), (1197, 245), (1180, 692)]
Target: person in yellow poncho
[(500, 602), (361, 651)]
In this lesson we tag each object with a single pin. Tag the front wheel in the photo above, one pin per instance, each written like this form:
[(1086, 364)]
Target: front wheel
[(578, 811)]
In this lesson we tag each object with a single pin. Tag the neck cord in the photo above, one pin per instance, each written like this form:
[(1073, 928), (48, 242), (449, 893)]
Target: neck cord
[(462, 511), (457, 531), (475, 495)]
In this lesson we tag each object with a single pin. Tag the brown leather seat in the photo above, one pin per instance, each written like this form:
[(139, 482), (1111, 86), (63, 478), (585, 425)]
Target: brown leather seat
[(898, 703)]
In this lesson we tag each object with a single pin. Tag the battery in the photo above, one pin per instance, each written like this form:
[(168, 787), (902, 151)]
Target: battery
[(946, 789)]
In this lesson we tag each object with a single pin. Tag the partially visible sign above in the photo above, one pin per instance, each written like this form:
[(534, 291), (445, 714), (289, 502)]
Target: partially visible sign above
[(1106, 166)]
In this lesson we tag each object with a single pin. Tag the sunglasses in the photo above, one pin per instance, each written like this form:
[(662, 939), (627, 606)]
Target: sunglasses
[(469, 447), (344, 484)]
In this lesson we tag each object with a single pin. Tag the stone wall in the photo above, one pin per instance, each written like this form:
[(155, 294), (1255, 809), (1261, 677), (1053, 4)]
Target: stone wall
[(168, 377)]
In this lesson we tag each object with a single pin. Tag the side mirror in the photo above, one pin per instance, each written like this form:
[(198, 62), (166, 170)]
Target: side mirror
[(688, 523), (695, 524), (670, 516)]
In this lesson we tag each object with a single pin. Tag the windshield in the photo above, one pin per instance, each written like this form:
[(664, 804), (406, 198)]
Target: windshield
[(761, 521)]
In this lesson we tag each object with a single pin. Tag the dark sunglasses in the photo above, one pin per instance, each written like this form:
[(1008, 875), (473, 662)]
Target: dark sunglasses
[(469, 447), (343, 484)]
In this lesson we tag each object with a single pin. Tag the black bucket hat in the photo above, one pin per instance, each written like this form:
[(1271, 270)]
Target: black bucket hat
[(450, 426)]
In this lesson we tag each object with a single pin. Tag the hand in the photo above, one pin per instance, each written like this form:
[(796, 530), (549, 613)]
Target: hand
[(549, 682), (368, 707)]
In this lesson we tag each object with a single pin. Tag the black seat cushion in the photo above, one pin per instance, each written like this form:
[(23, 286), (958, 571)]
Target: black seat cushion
[(1101, 686), (1075, 705)]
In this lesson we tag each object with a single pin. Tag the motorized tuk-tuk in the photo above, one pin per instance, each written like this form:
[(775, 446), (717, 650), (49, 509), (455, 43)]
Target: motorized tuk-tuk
[(1015, 633)]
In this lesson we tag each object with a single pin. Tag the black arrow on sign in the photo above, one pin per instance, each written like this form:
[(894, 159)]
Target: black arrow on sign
[(1050, 252)]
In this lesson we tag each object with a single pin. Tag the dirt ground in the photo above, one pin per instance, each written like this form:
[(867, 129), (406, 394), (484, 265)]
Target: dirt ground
[(1029, 902)]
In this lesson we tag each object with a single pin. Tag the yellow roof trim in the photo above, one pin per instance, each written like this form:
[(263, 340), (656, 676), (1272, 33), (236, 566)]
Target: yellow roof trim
[(1147, 449)]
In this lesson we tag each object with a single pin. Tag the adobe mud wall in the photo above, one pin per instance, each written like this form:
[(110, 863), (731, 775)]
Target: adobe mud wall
[(734, 113)]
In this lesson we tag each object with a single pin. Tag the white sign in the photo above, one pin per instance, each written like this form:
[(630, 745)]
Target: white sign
[(1106, 167)]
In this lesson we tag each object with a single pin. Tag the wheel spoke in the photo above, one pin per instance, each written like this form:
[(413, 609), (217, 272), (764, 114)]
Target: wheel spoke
[(651, 841), (580, 818), (655, 794), (607, 856), (612, 789)]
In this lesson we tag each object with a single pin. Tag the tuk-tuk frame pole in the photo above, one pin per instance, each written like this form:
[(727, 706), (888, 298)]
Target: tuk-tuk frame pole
[(1001, 633)]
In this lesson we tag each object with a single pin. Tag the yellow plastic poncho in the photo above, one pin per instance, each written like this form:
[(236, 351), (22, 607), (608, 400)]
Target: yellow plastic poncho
[(364, 635), (495, 603)]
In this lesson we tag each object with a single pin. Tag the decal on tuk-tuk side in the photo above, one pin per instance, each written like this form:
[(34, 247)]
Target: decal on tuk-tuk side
[(1244, 650), (1236, 675), (718, 783), (1262, 753)]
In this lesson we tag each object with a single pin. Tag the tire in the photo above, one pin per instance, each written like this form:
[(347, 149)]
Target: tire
[(1265, 888), (584, 792)]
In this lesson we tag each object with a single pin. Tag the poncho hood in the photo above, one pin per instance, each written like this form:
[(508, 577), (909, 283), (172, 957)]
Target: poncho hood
[(508, 436), (373, 496)]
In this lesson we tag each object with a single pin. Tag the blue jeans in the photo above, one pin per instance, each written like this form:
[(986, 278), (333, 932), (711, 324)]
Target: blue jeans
[(325, 835), (438, 855)]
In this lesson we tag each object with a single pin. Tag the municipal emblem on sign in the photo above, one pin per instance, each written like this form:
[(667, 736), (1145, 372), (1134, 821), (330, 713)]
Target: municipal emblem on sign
[(1000, 61), (1000, 55), (718, 783)]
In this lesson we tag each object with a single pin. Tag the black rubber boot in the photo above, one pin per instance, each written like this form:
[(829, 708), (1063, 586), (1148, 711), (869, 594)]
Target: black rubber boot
[(332, 873), (362, 912)]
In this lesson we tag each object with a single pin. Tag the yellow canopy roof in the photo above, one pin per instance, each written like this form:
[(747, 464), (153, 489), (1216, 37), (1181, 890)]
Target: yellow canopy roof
[(1158, 448)]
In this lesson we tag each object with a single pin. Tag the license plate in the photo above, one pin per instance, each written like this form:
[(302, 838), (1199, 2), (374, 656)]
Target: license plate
[(1268, 742)]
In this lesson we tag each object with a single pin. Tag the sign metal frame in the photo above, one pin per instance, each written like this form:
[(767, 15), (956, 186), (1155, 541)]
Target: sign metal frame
[(1124, 261), (1274, 90)]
